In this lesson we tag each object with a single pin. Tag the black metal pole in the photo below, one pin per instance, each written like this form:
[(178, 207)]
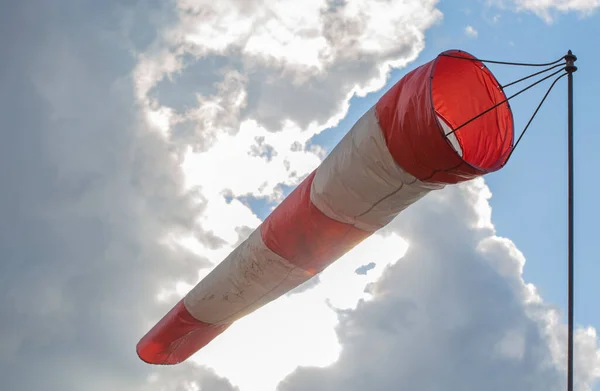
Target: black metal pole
[(570, 68)]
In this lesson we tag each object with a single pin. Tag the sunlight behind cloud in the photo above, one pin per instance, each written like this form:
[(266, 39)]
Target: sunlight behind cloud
[(253, 161), (343, 287), (299, 329), (260, 349)]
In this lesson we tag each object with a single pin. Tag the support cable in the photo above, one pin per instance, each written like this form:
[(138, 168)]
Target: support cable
[(535, 112), (525, 64), (505, 100), (530, 76)]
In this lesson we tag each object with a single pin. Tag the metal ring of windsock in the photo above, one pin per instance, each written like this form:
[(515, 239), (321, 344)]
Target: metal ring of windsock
[(402, 148)]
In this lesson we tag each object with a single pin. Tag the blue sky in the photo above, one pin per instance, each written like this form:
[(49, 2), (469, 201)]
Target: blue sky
[(136, 134)]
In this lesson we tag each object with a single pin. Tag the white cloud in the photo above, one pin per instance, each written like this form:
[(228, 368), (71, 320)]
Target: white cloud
[(290, 54), (89, 196), (548, 9), (471, 32), (454, 313)]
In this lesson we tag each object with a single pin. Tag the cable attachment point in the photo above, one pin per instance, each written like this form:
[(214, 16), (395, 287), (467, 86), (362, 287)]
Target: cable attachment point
[(570, 58)]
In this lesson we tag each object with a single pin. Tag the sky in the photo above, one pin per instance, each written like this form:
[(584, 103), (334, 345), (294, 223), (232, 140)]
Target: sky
[(142, 141)]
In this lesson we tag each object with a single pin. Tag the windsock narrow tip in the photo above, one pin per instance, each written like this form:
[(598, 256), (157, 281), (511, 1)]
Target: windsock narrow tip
[(176, 337)]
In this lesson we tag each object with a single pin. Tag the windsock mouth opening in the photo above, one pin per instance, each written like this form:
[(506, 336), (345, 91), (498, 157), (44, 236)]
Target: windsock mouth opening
[(461, 89)]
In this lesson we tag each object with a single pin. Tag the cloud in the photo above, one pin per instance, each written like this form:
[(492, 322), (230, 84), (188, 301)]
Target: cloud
[(549, 9), (87, 196), (545, 8), (288, 55), (471, 32), (188, 377), (453, 313)]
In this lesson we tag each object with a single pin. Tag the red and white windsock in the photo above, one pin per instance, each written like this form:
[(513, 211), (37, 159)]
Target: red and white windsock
[(401, 149)]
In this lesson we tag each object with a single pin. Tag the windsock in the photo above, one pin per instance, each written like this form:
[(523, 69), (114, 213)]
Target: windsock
[(402, 148)]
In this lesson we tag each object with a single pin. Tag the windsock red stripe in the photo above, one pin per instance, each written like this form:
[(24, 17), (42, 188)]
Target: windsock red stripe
[(299, 232), (176, 337)]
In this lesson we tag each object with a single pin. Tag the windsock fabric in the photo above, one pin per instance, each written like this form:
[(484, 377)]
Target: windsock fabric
[(397, 152)]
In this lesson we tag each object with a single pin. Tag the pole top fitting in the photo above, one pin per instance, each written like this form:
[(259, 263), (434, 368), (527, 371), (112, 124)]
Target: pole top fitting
[(570, 59)]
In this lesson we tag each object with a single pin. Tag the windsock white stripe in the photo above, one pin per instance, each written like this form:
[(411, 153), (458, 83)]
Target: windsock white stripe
[(359, 183), (250, 277)]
